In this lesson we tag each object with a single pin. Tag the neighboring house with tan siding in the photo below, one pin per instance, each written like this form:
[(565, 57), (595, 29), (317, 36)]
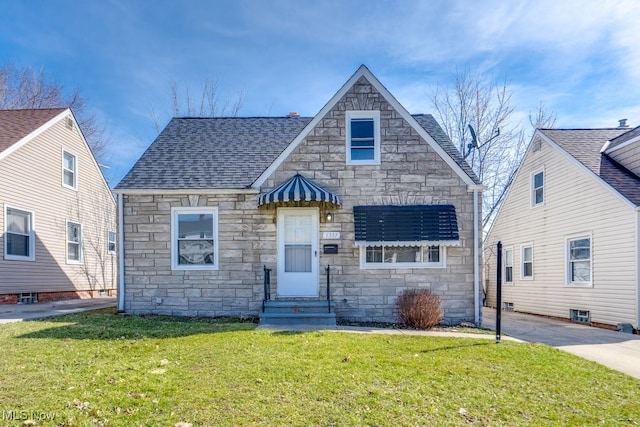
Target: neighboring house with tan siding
[(57, 213), (569, 228), (376, 194)]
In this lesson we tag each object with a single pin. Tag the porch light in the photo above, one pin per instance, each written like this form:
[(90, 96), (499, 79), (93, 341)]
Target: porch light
[(329, 217)]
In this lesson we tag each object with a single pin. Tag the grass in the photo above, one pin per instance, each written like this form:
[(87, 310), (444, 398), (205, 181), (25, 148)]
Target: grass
[(99, 368)]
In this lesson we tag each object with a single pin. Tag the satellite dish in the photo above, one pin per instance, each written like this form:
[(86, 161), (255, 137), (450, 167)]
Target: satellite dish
[(474, 140)]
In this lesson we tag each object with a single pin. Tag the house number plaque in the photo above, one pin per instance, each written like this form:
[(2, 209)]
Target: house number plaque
[(331, 235)]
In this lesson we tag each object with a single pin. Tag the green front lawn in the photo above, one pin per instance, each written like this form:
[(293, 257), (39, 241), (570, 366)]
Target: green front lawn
[(99, 368)]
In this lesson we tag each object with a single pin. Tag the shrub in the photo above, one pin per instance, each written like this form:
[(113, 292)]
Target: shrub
[(419, 309)]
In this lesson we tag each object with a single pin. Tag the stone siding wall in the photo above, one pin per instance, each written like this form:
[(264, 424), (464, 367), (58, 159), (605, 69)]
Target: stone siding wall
[(246, 241)]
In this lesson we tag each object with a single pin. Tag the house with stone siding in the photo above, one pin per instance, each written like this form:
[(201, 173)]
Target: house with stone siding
[(302, 219)]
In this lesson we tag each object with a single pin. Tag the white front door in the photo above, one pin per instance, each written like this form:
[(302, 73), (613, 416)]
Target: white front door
[(298, 252)]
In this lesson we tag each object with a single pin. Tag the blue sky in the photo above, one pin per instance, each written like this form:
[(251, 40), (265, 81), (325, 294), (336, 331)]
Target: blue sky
[(577, 57)]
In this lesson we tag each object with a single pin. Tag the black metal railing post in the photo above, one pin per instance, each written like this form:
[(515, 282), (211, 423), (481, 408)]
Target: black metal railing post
[(267, 286), (328, 288), (499, 293)]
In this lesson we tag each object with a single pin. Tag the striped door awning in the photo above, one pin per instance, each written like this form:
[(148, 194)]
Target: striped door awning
[(297, 189)]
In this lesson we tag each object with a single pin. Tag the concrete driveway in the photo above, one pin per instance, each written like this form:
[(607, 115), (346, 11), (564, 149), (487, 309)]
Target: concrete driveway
[(617, 350), (18, 312)]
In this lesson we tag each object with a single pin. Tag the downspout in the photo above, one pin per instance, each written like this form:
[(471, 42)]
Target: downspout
[(476, 259), (120, 253)]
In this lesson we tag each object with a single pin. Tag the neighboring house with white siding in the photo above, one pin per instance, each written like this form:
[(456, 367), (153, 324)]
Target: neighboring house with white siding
[(57, 213), (378, 195), (569, 228)]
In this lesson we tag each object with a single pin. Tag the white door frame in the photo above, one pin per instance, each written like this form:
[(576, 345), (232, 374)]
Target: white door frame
[(298, 284)]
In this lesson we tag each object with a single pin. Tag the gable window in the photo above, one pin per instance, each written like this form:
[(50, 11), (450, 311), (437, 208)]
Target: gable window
[(74, 242), (19, 236), (537, 188), (194, 235), (111, 242), (526, 254), (579, 260), (363, 137), (508, 265), (69, 170)]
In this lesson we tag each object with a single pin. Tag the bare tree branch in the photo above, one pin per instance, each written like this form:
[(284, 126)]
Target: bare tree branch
[(486, 105), (27, 88)]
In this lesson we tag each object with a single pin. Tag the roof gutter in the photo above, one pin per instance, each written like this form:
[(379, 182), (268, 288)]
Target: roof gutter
[(121, 253), (164, 191), (476, 258)]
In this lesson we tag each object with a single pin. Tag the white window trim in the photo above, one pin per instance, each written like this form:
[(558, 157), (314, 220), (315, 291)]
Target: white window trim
[(532, 189), (174, 237), (75, 172), (522, 248), (375, 115), (114, 241), (80, 243), (567, 254), (504, 265), (364, 265), (32, 234)]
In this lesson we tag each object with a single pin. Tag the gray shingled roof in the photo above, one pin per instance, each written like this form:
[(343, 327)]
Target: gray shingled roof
[(631, 133), (224, 153), (212, 152), (585, 145)]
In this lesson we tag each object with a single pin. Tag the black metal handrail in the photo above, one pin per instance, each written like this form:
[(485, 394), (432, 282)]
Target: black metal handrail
[(328, 288), (267, 286)]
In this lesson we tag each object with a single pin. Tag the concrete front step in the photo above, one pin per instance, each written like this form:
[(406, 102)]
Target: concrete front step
[(298, 306), (298, 312)]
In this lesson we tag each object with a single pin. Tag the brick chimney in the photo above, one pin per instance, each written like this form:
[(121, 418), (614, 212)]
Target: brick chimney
[(293, 114)]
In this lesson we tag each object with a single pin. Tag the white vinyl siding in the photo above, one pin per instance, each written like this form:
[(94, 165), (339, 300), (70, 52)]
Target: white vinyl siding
[(577, 203), (19, 241), (194, 238), (362, 137), (628, 156)]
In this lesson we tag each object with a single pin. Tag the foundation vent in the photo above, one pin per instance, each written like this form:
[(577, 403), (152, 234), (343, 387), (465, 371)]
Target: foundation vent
[(507, 306)]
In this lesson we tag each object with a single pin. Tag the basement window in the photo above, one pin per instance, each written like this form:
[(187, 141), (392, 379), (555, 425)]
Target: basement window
[(580, 316), (28, 298)]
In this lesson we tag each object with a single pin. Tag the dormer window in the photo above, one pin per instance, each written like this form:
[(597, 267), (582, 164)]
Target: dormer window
[(363, 137)]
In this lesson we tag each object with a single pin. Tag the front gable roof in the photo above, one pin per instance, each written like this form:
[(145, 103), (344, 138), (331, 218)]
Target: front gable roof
[(449, 154), (585, 145), (17, 127), (241, 153)]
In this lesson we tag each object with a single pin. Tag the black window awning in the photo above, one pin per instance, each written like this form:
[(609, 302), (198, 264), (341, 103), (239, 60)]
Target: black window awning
[(296, 189), (411, 225)]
